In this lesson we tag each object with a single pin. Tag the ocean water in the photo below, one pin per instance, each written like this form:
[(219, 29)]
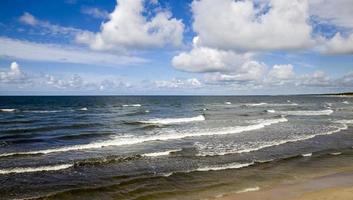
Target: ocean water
[(148, 147)]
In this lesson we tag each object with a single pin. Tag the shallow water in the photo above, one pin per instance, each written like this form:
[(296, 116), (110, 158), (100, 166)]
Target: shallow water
[(147, 147)]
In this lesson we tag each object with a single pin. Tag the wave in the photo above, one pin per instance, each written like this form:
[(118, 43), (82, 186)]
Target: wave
[(222, 167), (307, 154), (307, 112), (252, 189), (165, 121), (8, 110), (17, 170), (271, 104), (273, 143), (162, 153), (345, 102), (131, 105), (346, 121), (43, 111), (335, 153), (83, 109), (119, 141), (228, 103), (256, 104), (270, 111)]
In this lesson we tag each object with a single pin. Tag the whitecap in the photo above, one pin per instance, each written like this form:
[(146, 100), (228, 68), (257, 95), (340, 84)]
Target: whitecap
[(7, 110), (307, 112), (228, 103), (336, 153), (132, 105), (223, 167), (345, 102), (252, 189), (118, 141), (83, 109), (270, 111), (17, 170), (272, 143), (307, 154), (161, 153), (165, 121)]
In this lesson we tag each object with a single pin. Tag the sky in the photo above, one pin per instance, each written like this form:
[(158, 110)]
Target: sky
[(175, 47)]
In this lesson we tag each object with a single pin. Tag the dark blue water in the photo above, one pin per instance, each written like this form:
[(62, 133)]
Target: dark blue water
[(55, 145)]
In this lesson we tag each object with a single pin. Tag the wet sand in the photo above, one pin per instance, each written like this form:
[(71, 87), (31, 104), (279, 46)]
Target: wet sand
[(337, 186)]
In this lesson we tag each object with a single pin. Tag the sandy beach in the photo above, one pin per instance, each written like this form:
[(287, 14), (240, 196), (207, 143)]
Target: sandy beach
[(337, 186)]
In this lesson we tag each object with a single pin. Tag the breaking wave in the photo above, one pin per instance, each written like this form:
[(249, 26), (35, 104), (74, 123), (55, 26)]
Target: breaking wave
[(17, 170), (7, 110), (307, 112), (118, 141), (165, 121)]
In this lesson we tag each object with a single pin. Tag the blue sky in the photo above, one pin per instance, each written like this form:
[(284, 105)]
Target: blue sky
[(175, 47)]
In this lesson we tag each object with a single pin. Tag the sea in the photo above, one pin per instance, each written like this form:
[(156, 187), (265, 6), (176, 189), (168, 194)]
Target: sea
[(165, 147)]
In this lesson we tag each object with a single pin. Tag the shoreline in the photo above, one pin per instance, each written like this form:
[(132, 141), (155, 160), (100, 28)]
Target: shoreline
[(335, 186)]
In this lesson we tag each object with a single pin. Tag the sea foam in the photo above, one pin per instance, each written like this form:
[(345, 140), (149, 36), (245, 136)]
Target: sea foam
[(118, 141), (35, 169), (165, 121)]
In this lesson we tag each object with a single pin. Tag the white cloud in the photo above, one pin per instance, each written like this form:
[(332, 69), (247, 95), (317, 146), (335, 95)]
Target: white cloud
[(204, 59), (74, 81), (337, 12), (339, 45), (47, 27), (53, 53), (14, 75), (178, 83), (281, 72), (128, 28), (240, 25), (95, 12), (29, 19)]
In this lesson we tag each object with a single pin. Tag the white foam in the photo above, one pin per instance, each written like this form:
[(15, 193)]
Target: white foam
[(162, 153), (272, 104), (132, 105), (223, 167), (35, 169), (346, 121), (252, 189), (7, 110), (274, 143), (256, 104), (165, 121), (307, 154), (118, 141), (307, 112), (228, 103), (84, 109), (270, 111), (43, 111), (345, 102), (336, 153)]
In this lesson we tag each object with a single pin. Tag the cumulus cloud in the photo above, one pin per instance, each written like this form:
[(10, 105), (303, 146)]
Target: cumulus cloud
[(54, 53), (128, 28), (281, 72), (339, 44), (244, 25), (205, 59), (13, 75), (338, 12)]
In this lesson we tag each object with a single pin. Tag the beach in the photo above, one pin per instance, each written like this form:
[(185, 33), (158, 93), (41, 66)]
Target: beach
[(330, 187)]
